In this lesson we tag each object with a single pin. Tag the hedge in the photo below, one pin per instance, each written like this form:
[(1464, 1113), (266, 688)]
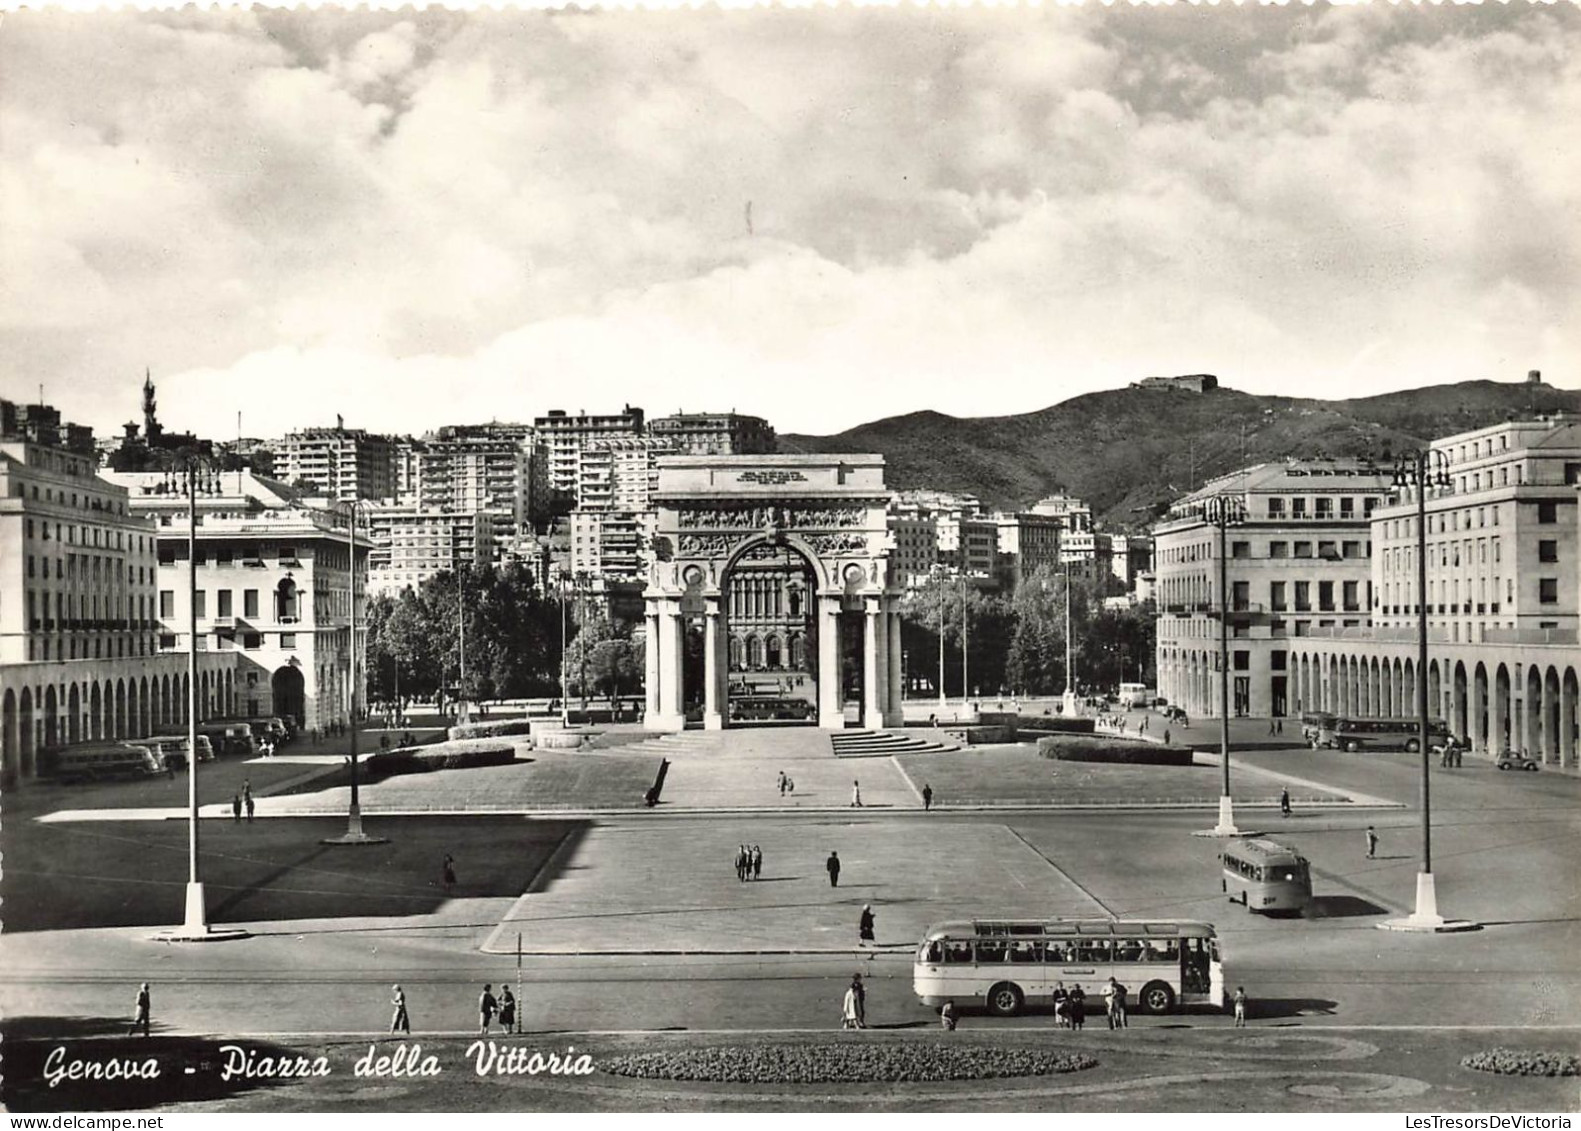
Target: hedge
[(491, 729), (465, 755), (1056, 723), (1522, 1062), (1114, 752)]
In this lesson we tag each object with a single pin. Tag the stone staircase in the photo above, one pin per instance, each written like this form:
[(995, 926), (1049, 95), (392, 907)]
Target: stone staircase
[(882, 743)]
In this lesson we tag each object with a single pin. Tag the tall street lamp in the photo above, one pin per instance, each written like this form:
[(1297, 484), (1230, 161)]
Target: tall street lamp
[(353, 834), (1224, 511), (195, 924), (1421, 471), (1069, 700)]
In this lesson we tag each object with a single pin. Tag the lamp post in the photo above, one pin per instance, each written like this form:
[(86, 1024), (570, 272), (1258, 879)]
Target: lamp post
[(354, 834), (1419, 471), (195, 922), (966, 687), (565, 687), (940, 593), (1224, 511)]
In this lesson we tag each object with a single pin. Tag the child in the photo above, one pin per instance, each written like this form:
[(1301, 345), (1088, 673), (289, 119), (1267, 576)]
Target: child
[(1240, 1007)]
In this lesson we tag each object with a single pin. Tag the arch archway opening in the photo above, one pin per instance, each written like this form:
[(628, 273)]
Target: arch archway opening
[(767, 612)]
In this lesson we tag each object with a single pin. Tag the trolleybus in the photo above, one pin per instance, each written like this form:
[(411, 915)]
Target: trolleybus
[(1399, 733), (1266, 875), (1005, 964)]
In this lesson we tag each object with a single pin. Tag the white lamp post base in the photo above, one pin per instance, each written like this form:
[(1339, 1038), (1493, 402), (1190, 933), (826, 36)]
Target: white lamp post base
[(354, 833), (1226, 826), (1426, 919), (196, 926)]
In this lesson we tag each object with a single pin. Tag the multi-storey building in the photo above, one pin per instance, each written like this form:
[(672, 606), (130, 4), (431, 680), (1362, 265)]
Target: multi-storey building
[(340, 463), (1131, 555), (915, 556), (1026, 542), (1299, 562), (411, 544), (714, 434), (274, 588), (78, 628), (563, 437), (619, 475), (491, 468), (609, 547)]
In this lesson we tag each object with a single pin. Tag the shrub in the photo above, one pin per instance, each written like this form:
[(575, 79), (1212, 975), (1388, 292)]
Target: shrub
[(491, 729), (1113, 752), (827, 1062), (1522, 1062), (461, 755), (1056, 724)]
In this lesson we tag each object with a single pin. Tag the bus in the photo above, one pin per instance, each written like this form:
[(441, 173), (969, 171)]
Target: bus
[(1266, 875), (229, 737), (171, 749), (101, 762), (1134, 695), (769, 707), (1399, 733), (1005, 964)]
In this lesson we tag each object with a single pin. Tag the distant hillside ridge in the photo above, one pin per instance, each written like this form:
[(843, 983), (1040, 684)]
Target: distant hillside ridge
[(1130, 452)]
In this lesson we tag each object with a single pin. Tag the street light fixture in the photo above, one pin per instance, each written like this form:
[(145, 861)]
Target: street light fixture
[(354, 834), (1421, 471), (1224, 511)]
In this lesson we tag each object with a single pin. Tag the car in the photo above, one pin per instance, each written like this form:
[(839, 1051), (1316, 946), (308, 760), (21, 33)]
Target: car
[(1510, 760), (1175, 713)]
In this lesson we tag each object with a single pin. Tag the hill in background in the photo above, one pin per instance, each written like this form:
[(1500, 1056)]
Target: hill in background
[(1130, 452)]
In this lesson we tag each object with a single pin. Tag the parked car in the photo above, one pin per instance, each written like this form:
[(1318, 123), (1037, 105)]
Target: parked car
[(1174, 713), (1513, 760)]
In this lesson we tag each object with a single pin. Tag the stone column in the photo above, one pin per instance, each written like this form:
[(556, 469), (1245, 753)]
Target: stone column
[(650, 650), (671, 715), (713, 719), (1567, 724), (1498, 709), (895, 715), (831, 709), (872, 692), (1476, 713)]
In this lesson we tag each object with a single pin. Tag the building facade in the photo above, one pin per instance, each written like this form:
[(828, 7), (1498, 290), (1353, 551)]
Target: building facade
[(714, 434), (409, 544), (339, 463), (563, 436)]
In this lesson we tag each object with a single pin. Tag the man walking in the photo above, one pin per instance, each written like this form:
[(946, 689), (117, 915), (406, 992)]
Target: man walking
[(860, 991), (757, 862), (1372, 843), (236, 807), (927, 797), (486, 1008), (400, 1020), (856, 794), (141, 1019), (1240, 1007), (1284, 802), (742, 862), (832, 866), (864, 928), (248, 800)]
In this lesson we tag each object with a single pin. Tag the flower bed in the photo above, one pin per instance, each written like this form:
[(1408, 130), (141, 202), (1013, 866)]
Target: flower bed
[(1113, 751), (1522, 1062), (853, 1062), (1055, 724), (492, 729), (458, 755)]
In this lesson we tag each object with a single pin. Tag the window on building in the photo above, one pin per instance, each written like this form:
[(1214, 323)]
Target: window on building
[(1276, 596), (1302, 550), (1276, 628), (1325, 509), (167, 603), (251, 640), (1303, 596), (1276, 660), (250, 603), (1351, 593), (1547, 512), (1347, 507), (1328, 551), (1547, 550), (1240, 549), (224, 603), (1548, 590), (1241, 596), (1278, 549), (1276, 508), (1242, 660), (200, 605), (288, 640), (1350, 549), (1325, 591), (1298, 508)]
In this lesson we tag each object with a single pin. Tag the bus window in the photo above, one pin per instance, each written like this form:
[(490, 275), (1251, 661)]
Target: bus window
[(1128, 950), (1091, 951), (1162, 950), (1056, 951), (1194, 978), (958, 952), (991, 950), (934, 952), (1025, 950)]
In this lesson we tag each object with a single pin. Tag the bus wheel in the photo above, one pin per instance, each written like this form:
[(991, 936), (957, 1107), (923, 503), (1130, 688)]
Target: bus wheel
[(1156, 997), (1411, 746), (1351, 747), (1004, 1000)]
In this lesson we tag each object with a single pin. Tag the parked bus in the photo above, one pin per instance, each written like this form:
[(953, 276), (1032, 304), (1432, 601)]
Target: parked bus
[(769, 707), (1266, 875), (101, 762), (1004, 964), (1134, 695), (229, 737), (171, 749), (1401, 733)]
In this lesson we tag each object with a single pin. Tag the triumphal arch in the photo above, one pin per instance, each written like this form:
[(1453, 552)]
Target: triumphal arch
[(770, 594)]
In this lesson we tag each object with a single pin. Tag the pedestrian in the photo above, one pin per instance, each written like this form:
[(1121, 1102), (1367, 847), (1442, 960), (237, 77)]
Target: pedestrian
[(449, 871), (400, 1020), (249, 803), (1078, 1006), (1284, 802), (1271, 730), (856, 794), (1279, 726), (1114, 999), (1372, 843), (145, 1008), (927, 797), (757, 862), (1240, 1007), (1061, 1006), (782, 783), (236, 807), (864, 927), (486, 1009), (743, 862), (790, 785), (832, 866), (860, 989), (1166, 736), (507, 1009), (850, 1017), (947, 1016)]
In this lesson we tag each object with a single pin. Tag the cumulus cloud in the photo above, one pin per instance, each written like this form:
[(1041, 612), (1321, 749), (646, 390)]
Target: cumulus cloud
[(296, 213)]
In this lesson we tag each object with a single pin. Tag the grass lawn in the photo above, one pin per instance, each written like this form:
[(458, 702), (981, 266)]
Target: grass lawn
[(1015, 774), (1259, 1069), (133, 873)]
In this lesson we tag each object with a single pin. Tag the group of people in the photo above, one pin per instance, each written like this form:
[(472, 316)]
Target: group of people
[(853, 1009), (786, 784), (488, 1006), (241, 800), (1070, 1006), (749, 862)]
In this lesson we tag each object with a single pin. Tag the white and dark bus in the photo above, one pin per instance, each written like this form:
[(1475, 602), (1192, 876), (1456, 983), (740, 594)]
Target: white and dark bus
[(1265, 875)]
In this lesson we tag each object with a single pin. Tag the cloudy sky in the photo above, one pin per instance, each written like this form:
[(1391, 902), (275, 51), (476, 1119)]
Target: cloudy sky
[(823, 217)]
